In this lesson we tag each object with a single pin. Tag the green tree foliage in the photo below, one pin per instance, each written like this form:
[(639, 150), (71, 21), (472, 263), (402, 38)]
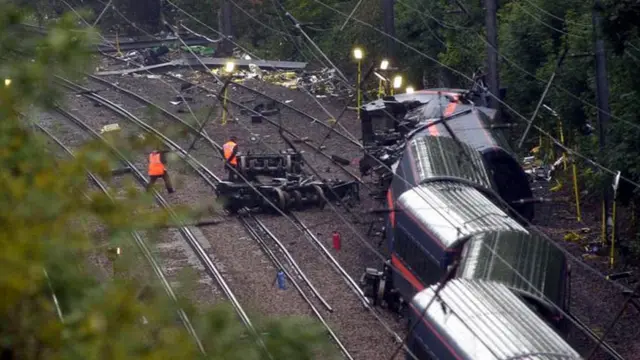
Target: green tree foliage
[(42, 212)]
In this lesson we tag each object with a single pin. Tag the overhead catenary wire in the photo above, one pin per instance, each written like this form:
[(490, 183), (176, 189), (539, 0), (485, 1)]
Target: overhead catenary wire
[(441, 285), (542, 131), (348, 224), (457, 72), (188, 156), (179, 94), (594, 271), (254, 56), (584, 25), (537, 128), (525, 119)]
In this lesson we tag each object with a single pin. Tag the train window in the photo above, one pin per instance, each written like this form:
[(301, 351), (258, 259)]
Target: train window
[(417, 259)]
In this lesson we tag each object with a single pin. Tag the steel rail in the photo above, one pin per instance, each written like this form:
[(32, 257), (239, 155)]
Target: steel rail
[(184, 230), (593, 336), (254, 230), (352, 283), (289, 132), (336, 265), (260, 225), (200, 168), (142, 245)]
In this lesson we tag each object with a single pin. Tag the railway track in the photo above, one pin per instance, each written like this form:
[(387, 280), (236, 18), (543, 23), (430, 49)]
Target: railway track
[(267, 97), (319, 262), (187, 232), (142, 245), (211, 179), (314, 148)]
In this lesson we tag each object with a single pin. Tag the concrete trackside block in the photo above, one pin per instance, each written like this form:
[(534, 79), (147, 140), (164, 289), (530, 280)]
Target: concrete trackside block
[(200, 237)]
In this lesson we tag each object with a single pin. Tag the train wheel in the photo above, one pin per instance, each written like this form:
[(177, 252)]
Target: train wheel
[(288, 164), (321, 198), (297, 199), (281, 199)]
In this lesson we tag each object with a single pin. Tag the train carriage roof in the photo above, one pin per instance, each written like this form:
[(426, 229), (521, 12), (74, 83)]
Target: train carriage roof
[(452, 211), (470, 124), (524, 262), (437, 157), (484, 320)]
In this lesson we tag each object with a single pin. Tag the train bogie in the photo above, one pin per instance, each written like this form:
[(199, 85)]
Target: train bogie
[(272, 165), (284, 194)]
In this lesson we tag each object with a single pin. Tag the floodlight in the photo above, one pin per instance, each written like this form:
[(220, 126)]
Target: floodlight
[(410, 90), (384, 65), (229, 66), (358, 54), (7, 82), (397, 82)]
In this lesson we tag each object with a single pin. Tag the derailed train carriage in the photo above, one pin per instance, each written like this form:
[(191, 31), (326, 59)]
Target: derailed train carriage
[(473, 319), (451, 174)]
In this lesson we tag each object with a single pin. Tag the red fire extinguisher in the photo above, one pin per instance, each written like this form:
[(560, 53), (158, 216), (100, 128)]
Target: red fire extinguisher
[(337, 242)]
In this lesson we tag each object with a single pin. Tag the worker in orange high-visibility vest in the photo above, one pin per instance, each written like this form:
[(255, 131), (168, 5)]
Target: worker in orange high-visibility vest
[(158, 170), (230, 152)]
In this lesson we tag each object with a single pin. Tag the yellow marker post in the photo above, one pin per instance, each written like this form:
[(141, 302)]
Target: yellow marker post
[(358, 55), (576, 190), (224, 106), (228, 68), (613, 236), (616, 182), (564, 154), (118, 53)]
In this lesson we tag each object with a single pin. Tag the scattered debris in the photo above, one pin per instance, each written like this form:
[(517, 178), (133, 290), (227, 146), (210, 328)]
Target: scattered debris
[(324, 82), (572, 237), (537, 170), (154, 56), (199, 50), (109, 128)]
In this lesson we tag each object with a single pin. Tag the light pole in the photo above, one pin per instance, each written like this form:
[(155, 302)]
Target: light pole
[(397, 83), (358, 55), (228, 68), (384, 65)]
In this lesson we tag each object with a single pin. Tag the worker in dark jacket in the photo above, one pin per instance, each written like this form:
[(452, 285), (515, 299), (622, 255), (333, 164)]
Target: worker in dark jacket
[(157, 169), (230, 151)]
